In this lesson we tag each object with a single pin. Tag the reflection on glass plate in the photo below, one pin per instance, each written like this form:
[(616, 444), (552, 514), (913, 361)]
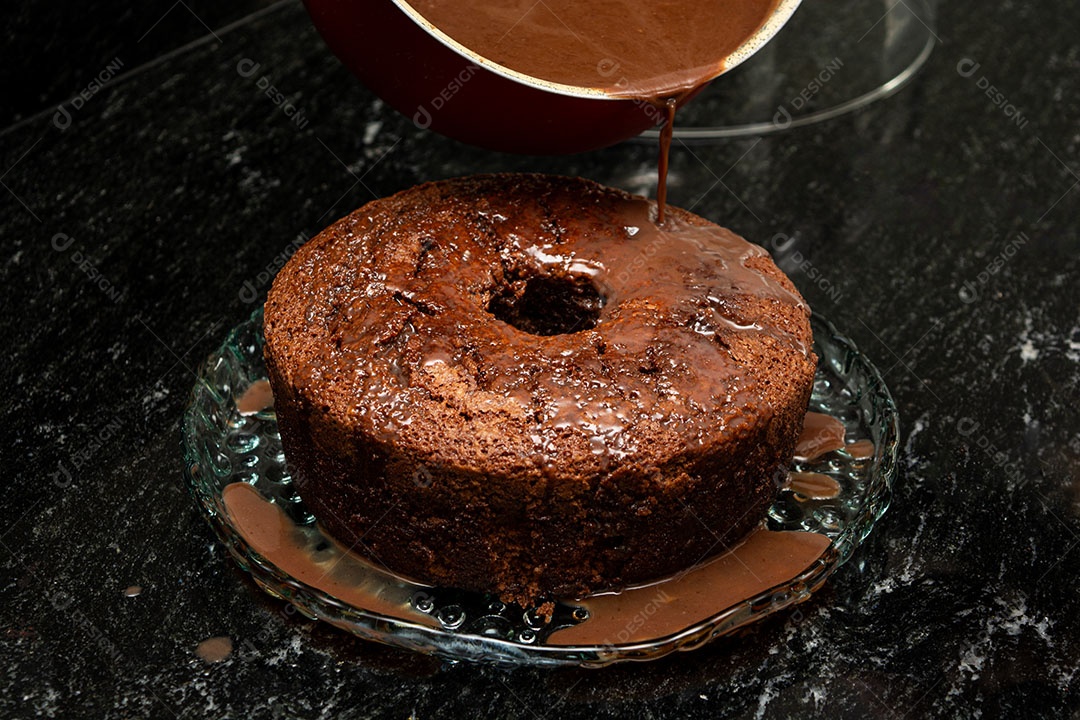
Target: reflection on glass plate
[(237, 471), (832, 57)]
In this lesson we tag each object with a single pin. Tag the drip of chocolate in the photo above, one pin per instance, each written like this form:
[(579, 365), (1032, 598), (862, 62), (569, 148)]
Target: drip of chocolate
[(814, 486), (256, 398), (215, 649), (665, 152), (821, 434)]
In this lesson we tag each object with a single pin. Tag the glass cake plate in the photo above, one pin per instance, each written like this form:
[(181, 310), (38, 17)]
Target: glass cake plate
[(237, 472)]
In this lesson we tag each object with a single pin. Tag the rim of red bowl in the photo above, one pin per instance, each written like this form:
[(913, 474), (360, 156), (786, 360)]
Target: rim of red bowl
[(781, 14)]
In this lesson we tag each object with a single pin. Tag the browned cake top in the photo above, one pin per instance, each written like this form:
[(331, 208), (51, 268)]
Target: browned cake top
[(527, 320)]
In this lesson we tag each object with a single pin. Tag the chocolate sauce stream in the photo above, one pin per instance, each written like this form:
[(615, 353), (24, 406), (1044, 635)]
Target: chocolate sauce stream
[(665, 152)]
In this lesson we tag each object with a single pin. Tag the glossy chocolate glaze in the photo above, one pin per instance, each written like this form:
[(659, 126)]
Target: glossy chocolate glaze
[(675, 302), (624, 47)]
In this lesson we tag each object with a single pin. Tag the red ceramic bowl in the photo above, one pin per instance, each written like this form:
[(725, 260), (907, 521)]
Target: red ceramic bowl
[(444, 86)]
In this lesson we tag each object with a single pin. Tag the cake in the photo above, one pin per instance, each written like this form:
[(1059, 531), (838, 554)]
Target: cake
[(521, 385)]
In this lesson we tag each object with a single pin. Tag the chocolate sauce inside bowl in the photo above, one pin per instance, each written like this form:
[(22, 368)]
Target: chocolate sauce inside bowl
[(624, 48)]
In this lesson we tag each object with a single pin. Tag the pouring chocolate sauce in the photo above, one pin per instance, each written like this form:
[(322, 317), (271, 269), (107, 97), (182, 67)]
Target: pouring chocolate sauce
[(657, 54)]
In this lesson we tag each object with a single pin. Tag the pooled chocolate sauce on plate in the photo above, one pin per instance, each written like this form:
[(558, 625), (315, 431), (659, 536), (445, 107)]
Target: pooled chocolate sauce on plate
[(822, 434), (256, 398), (761, 561), (322, 564), (861, 449)]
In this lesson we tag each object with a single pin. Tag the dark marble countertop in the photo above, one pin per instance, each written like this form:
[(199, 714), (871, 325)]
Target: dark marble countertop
[(132, 235)]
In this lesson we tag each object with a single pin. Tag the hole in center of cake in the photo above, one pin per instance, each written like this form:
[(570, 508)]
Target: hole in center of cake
[(544, 305)]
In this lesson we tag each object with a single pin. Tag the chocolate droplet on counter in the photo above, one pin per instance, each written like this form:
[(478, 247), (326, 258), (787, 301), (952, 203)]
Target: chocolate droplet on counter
[(215, 649)]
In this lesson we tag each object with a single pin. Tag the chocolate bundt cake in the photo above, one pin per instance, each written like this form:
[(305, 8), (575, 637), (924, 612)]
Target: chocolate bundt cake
[(519, 384)]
